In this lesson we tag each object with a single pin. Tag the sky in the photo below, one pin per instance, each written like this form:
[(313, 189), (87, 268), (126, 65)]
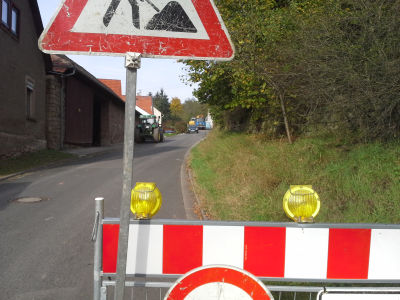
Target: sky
[(153, 75)]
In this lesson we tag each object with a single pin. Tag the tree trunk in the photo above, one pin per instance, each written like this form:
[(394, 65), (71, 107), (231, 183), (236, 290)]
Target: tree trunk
[(285, 118)]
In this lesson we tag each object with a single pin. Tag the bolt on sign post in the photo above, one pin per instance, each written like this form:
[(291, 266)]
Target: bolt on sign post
[(181, 29)]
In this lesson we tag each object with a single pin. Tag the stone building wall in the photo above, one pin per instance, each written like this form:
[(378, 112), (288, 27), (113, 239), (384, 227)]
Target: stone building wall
[(22, 87), (54, 114), (116, 122), (13, 145)]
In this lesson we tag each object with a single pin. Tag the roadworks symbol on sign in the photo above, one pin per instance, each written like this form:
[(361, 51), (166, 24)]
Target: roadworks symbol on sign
[(187, 29), (162, 18)]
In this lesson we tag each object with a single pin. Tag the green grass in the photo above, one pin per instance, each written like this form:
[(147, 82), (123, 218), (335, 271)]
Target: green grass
[(31, 160), (243, 177), (170, 134)]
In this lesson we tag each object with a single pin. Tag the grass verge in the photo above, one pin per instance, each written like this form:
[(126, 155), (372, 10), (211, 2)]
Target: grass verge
[(243, 177), (170, 134), (31, 160)]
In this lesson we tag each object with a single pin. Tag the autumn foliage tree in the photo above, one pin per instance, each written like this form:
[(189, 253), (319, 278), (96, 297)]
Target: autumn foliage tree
[(176, 108), (307, 65)]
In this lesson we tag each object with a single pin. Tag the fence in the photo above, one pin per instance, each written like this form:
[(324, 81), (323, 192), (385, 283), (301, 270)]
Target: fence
[(160, 251)]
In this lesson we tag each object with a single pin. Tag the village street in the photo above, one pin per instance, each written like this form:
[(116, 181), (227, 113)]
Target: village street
[(46, 250)]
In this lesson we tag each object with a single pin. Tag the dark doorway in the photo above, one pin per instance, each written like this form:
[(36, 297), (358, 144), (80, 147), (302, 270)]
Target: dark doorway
[(96, 122)]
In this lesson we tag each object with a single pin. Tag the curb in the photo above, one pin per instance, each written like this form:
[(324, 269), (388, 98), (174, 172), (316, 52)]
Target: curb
[(188, 192), (38, 168)]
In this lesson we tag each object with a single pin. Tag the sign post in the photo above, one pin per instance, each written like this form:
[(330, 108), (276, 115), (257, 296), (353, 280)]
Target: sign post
[(132, 64)]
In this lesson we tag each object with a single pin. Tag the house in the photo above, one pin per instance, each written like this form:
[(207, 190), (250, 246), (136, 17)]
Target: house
[(81, 109), (48, 101), (22, 78), (144, 104), (115, 85), (209, 121)]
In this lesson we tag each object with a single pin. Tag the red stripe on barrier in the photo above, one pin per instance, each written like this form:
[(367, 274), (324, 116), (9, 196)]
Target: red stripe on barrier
[(348, 254), (183, 248), (110, 247), (264, 251)]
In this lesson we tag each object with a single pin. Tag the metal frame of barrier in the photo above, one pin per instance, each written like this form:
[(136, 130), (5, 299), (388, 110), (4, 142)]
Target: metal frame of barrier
[(363, 291), (152, 281)]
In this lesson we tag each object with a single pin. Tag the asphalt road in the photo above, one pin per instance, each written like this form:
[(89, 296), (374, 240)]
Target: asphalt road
[(45, 247)]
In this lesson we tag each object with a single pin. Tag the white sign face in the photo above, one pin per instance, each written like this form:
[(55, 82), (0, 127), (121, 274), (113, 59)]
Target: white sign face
[(218, 282), (217, 291), (160, 18)]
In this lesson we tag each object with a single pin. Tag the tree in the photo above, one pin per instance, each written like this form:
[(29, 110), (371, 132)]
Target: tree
[(192, 108), (307, 64), (240, 95), (176, 108), (352, 60), (160, 101)]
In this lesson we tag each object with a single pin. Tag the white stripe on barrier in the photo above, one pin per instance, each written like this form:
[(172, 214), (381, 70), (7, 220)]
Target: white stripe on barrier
[(145, 249), (306, 252), (384, 262), (223, 245)]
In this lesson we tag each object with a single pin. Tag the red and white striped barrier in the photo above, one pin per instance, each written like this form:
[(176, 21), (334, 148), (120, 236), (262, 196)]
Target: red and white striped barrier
[(309, 253)]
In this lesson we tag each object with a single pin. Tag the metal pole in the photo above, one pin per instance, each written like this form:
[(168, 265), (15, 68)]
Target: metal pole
[(132, 63), (97, 237)]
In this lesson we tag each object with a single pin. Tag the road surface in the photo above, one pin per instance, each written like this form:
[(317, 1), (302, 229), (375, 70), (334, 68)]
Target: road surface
[(45, 247)]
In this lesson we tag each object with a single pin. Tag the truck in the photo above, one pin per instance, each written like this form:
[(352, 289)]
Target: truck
[(200, 122), (149, 128), (192, 122)]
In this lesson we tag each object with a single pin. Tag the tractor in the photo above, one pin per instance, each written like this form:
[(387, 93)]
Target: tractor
[(149, 128)]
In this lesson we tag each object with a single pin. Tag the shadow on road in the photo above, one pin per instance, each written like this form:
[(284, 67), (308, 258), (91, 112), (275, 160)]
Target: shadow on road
[(140, 150), (10, 191)]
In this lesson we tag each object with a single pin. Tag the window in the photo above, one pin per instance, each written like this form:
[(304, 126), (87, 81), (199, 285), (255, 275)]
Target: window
[(14, 20), (30, 100), (4, 12), (9, 17)]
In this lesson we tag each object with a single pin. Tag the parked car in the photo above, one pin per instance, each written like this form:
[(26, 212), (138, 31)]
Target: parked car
[(192, 129)]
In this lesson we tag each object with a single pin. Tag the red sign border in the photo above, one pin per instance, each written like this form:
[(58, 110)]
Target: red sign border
[(57, 38), (219, 273)]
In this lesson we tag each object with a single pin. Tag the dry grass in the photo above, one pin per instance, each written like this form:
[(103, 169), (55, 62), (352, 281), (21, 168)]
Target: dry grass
[(242, 177)]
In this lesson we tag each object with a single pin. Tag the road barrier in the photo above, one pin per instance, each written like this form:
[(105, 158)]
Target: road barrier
[(160, 250)]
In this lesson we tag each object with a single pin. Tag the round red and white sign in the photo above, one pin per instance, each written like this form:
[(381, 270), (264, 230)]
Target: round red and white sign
[(218, 282)]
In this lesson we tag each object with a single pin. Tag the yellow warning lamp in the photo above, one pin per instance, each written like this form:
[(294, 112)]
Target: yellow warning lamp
[(145, 200), (301, 203)]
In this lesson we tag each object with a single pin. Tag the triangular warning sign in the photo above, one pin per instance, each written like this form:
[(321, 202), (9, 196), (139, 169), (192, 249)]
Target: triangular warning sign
[(183, 29)]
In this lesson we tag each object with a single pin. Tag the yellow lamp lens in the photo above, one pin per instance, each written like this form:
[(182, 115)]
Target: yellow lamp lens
[(146, 200), (301, 203)]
